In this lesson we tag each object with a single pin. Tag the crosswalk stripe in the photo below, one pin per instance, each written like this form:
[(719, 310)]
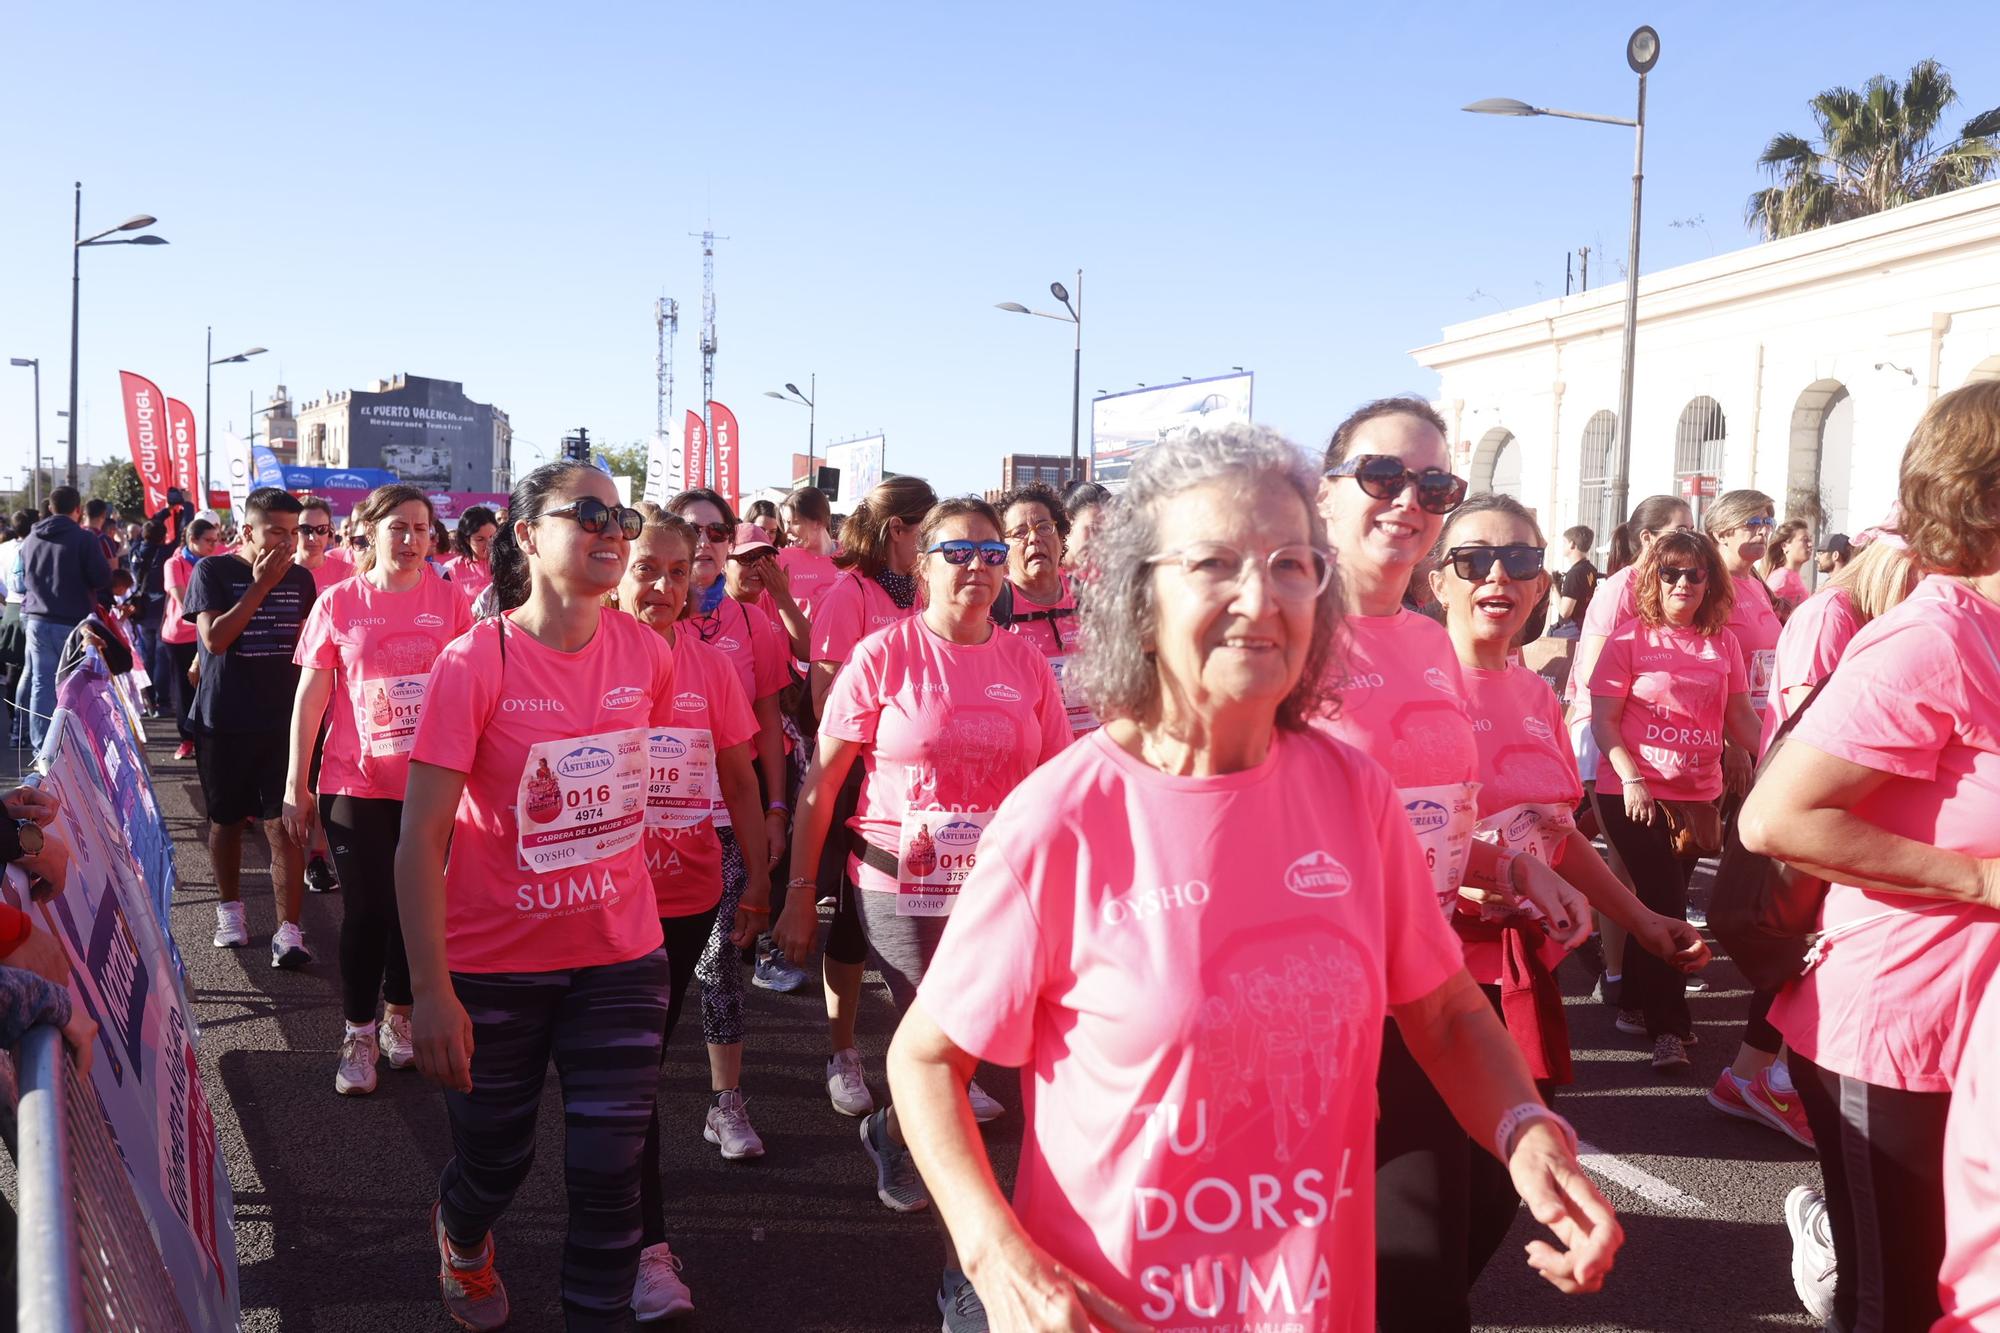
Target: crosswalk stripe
[(1642, 1183)]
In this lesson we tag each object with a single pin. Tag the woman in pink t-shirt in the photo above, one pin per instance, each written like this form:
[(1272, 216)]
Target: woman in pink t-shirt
[(1181, 930), (1888, 790), (1740, 523), (370, 642), (1969, 1280), (1791, 549), (809, 549), (471, 566), (179, 636), (1039, 603), (527, 907)]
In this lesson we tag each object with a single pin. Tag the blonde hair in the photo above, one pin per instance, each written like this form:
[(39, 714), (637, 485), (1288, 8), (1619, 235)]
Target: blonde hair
[(1877, 579), (1951, 483), (864, 537), (1731, 508)]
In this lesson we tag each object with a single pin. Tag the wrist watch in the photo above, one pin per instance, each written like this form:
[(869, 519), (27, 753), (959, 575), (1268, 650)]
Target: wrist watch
[(29, 834)]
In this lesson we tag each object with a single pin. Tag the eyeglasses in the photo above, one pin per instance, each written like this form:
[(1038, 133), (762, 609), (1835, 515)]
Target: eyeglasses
[(594, 516), (1760, 521), (1384, 478), (315, 529), (715, 532), (961, 552), (1293, 573), (1693, 575), (1045, 527), (1475, 563)]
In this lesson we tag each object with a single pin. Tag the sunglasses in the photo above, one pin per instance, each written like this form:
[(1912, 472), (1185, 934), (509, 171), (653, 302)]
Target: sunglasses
[(1475, 563), (715, 532), (1689, 574), (961, 552), (594, 517), (315, 529), (1382, 477), (1761, 521)]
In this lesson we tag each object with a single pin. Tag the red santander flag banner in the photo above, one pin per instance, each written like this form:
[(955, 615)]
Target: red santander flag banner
[(697, 450), (726, 445), (146, 428), (186, 471)]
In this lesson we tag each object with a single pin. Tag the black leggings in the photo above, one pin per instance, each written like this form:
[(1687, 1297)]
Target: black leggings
[(1881, 1151), (686, 936), (362, 833), (1661, 881), (846, 941), (180, 656)]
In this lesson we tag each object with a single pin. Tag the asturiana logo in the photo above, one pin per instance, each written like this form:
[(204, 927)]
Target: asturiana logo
[(585, 761), (1537, 728), (673, 747), (1427, 816), (347, 481), (1318, 875), (689, 702), (430, 620), (1005, 694), (625, 696), (1522, 825), (1437, 680), (405, 690), (960, 832)]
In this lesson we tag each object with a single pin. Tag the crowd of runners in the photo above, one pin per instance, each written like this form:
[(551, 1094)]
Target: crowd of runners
[(1238, 809)]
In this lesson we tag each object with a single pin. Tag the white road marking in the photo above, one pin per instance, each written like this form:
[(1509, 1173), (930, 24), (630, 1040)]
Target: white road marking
[(1642, 1183)]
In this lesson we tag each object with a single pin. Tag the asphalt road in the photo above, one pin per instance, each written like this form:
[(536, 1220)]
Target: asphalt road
[(333, 1193)]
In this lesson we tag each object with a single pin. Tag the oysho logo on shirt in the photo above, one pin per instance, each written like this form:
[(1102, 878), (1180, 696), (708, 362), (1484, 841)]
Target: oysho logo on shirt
[(1537, 728), (625, 696), (1646, 658), (531, 705), (1437, 680), (1139, 904), (585, 761), (1005, 694), (1318, 875), (359, 621), (883, 620), (429, 620), (690, 702), (1427, 816)]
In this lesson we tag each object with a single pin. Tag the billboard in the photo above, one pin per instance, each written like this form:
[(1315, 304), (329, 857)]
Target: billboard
[(425, 431), (860, 464), (1122, 424)]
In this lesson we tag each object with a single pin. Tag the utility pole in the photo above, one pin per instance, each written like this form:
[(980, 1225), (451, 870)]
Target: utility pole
[(1584, 250), (708, 240), (667, 321)]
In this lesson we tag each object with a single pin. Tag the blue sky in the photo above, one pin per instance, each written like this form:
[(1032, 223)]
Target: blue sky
[(497, 193)]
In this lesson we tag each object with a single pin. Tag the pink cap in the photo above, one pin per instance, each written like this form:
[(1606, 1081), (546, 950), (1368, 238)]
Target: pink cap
[(750, 539)]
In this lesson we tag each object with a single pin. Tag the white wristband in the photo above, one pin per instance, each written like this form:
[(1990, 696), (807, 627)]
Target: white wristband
[(1503, 869), (1517, 1119)]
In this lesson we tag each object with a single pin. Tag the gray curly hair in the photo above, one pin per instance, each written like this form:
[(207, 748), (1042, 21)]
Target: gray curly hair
[(1114, 670)]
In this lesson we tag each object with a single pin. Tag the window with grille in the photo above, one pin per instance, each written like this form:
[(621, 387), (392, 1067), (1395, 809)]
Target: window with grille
[(1596, 494), (1698, 447)]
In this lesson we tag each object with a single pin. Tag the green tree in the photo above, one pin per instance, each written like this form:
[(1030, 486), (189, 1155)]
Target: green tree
[(118, 481), (1877, 148), (627, 460)]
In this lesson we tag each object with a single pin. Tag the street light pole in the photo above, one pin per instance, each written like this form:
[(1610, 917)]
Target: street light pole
[(138, 222), (1074, 316), (792, 395), (36, 363), (208, 408)]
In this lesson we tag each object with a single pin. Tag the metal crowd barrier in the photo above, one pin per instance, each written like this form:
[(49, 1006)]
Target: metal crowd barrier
[(85, 1259)]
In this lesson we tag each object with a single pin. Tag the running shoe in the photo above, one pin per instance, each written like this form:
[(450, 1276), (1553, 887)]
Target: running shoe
[(984, 1108), (659, 1291), (230, 930), (1605, 992), (845, 1086), (185, 750), (288, 946), (394, 1038), (1727, 1097), (1632, 1022), (1669, 1053), (897, 1183), (1813, 1266), (776, 972), (1777, 1104), (319, 876), (960, 1305), (473, 1294), (728, 1128), (356, 1075), (1694, 985), (1697, 917)]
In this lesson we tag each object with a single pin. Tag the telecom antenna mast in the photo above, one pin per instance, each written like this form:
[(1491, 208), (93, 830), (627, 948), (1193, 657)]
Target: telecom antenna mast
[(708, 240), (667, 318)]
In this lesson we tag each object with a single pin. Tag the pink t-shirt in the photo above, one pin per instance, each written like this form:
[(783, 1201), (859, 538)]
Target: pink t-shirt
[(710, 715), (1676, 684), (1813, 640), (178, 577), (811, 575), (330, 573), (1615, 602), (849, 611), (1402, 700), (471, 577), (744, 633), (381, 647), (1052, 630), (945, 727), (1917, 696), (1969, 1281), (1755, 623), (554, 746), (1786, 582), (1193, 973)]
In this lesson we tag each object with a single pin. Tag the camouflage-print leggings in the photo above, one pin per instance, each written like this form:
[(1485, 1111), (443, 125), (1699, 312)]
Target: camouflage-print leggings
[(720, 970), (601, 1026)]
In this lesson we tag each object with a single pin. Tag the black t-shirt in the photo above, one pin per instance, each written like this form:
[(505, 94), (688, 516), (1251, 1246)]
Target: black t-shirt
[(1579, 581), (250, 687)]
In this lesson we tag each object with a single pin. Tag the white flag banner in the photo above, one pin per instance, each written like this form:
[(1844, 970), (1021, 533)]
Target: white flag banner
[(666, 468), (242, 472)]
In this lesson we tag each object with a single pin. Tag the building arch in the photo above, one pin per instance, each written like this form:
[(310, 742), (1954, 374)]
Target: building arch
[(1494, 458), (1820, 456), (1700, 444)]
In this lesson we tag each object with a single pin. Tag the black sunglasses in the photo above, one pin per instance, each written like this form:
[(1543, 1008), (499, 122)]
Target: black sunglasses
[(1475, 563), (715, 532), (1672, 574), (594, 516), (1383, 478)]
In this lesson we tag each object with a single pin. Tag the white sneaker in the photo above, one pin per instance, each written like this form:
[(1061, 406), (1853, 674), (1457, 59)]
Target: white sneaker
[(728, 1128), (356, 1075), (984, 1108), (1813, 1267), (394, 1039), (230, 930), (288, 946), (659, 1292), (846, 1088)]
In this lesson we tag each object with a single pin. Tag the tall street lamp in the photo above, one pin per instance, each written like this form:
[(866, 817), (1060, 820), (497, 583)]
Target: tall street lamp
[(35, 363), (792, 395), (136, 223), (1642, 52), (208, 411), (1075, 316)]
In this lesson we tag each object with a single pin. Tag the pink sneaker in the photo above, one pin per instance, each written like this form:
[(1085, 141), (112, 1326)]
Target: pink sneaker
[(1779, 1108), (1727, 1097)]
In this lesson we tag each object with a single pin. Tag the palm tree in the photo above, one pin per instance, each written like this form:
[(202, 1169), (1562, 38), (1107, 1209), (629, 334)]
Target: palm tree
[(1875, 150)]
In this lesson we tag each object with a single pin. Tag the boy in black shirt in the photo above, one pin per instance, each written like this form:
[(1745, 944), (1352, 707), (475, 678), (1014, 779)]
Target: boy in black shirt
[(1575, 585), (249, 607)]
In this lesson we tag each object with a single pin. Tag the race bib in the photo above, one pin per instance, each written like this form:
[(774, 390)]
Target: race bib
[(581, 800), (1763, 667), (680, 777), (388, 714), (1537, 828), (1081, 719), (935, 851), (1443, 817)]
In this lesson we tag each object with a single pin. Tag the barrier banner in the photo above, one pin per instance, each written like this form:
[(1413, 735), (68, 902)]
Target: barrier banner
[(665, 465), (240, 469), (696, 452), (345, 478), (265, 466), (186, 470), (727, 444), (144, 1076), (146, 428), (113, 742)]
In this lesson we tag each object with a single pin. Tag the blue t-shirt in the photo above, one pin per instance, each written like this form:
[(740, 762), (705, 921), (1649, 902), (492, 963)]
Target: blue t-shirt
[(250, 687)]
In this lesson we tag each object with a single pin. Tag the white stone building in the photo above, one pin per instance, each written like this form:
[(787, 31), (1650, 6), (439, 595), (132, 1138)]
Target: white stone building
[(1797, 367)]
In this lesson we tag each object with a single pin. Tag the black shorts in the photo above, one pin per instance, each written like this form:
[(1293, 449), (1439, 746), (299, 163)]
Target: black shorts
[(243, 774)]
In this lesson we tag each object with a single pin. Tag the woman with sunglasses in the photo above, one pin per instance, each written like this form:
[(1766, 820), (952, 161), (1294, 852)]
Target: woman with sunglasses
[(945, 716), (527, 908), (725, 589), (1385, 493), (1665, 692), (1039, 601)]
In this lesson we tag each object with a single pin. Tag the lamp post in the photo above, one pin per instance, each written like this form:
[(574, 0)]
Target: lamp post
[(1642, 52), (208, 409), (138, 222), (792, 395), (1075, 316), (35, 363)]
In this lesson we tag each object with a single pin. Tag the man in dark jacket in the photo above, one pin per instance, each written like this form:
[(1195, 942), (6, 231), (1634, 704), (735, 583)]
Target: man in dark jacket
[(66, 574)]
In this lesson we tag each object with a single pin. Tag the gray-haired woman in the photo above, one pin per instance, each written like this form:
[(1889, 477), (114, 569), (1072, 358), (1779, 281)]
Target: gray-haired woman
[(1182, 927)]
